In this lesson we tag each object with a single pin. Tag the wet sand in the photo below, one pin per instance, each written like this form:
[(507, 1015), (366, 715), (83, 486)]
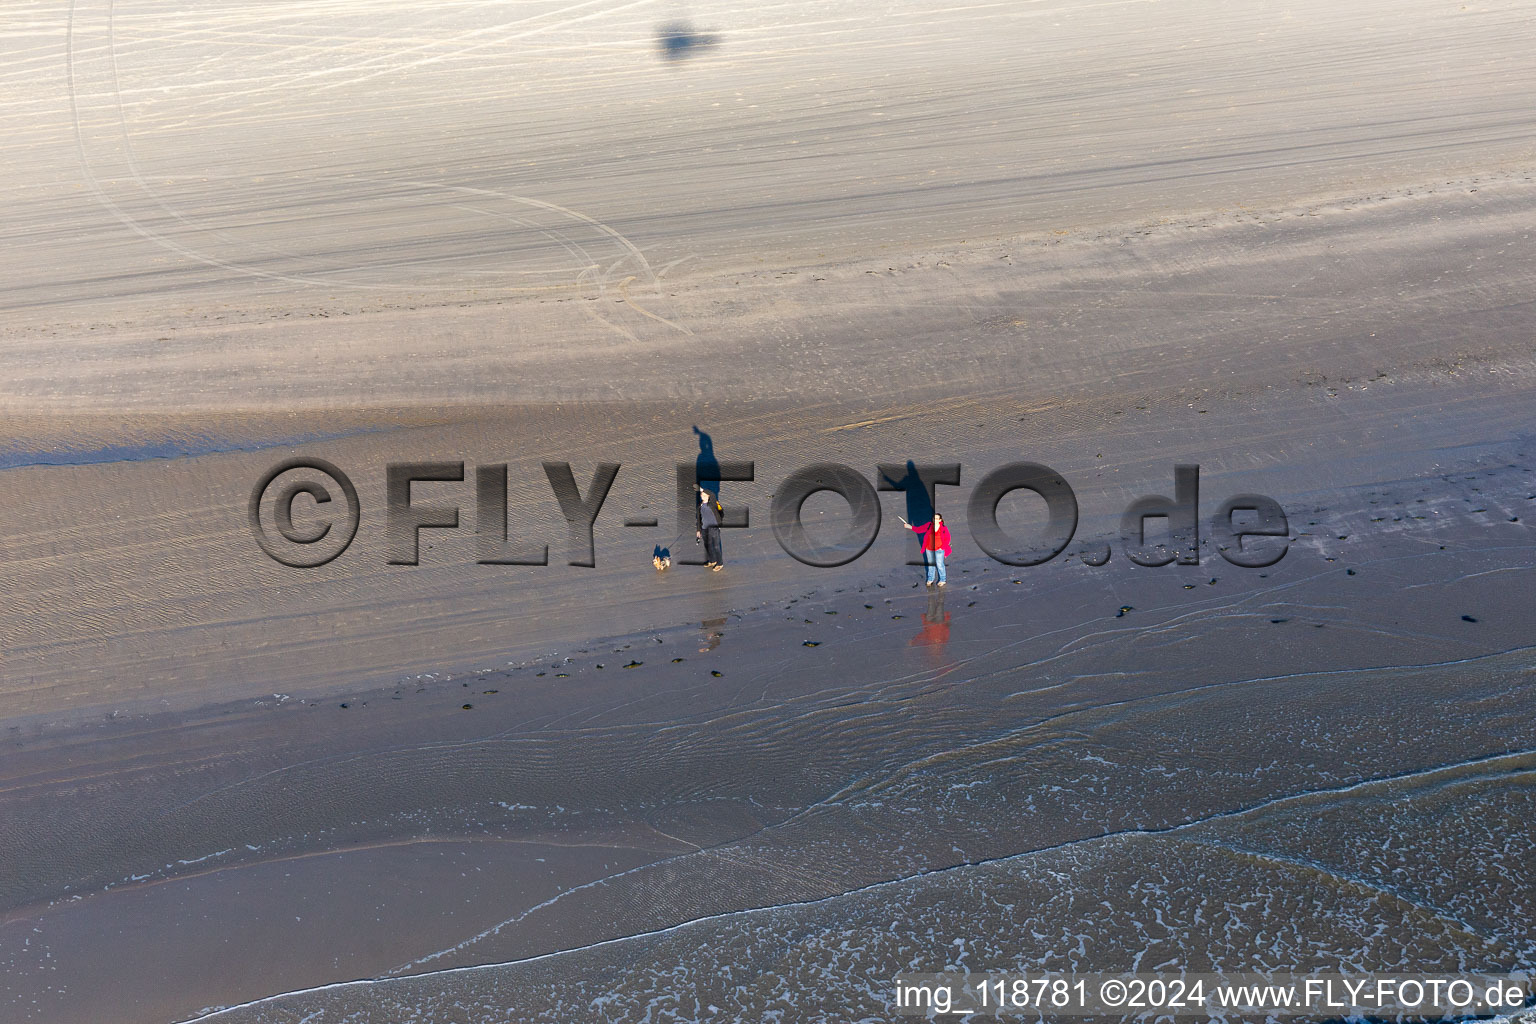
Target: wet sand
[(782, 769), (1291, 246), (861, 761)]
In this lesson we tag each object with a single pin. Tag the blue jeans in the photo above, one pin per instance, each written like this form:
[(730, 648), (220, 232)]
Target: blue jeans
[(934, 560)]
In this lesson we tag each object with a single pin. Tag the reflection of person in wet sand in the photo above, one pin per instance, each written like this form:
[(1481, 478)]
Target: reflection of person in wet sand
[(935, 537), (713, 632), (935, 631)]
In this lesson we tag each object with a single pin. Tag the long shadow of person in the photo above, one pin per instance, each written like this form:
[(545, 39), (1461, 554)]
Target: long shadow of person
[(706, 468), (919, 504), (708, 472)]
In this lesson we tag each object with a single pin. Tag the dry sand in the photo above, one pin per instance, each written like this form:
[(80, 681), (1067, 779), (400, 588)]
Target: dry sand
[(1290, 244)]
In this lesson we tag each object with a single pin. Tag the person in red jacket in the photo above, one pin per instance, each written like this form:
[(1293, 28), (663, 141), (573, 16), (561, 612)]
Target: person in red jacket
[(935, 538)]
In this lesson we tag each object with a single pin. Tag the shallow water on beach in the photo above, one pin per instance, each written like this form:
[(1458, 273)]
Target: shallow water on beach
[(181, 448), (1239, 893)]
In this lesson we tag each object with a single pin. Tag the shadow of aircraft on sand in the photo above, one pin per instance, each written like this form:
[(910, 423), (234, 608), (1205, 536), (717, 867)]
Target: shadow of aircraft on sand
[(677, 41)]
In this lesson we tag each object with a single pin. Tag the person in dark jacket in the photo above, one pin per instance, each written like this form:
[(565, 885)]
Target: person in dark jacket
[(707, 529), (935, 538)]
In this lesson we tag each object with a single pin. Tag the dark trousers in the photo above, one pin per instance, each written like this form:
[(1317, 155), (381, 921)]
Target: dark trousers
[(712, 544)]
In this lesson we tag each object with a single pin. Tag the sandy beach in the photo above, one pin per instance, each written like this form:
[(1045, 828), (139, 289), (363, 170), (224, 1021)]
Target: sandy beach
[(1291, 245)]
